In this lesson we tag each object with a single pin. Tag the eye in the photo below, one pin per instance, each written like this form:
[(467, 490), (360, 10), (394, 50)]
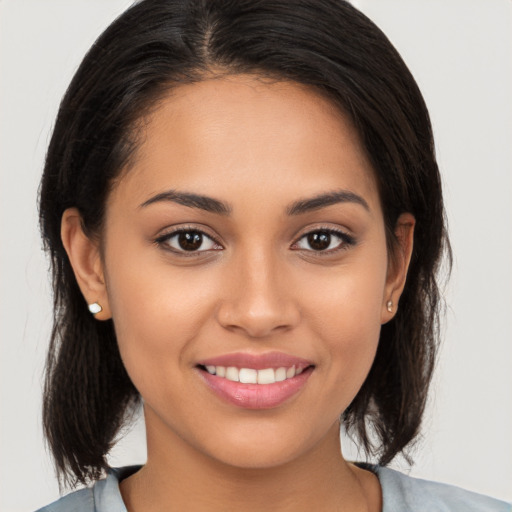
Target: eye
[(324, 240), (188, 240)]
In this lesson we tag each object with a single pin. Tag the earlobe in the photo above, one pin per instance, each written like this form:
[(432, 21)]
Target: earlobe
[(85, 258), (399, 265)]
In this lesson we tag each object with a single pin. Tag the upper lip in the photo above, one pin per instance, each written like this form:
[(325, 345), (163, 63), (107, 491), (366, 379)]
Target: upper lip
[(256, 361)]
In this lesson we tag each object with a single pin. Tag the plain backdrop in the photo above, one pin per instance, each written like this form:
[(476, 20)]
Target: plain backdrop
[(460, 52)]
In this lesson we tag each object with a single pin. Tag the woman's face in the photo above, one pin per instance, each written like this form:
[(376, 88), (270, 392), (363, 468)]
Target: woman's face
[(248, 234)]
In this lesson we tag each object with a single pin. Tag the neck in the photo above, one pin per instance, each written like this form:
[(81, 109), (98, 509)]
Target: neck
[(178, 477)]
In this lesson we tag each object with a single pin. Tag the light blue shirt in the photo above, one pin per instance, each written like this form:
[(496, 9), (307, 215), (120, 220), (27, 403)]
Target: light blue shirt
[(400, 493)]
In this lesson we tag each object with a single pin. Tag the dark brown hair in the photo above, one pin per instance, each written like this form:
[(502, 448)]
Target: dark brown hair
[(152, 47)]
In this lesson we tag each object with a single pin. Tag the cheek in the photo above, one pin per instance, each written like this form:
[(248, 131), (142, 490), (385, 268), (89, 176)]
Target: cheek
[(157, 312), (348, 300), (345, 312)]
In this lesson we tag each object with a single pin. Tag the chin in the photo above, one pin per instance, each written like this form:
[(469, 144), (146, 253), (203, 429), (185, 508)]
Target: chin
[(257, 459), (262, 450)]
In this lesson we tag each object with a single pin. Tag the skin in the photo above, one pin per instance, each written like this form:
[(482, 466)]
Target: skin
[(259, 147)]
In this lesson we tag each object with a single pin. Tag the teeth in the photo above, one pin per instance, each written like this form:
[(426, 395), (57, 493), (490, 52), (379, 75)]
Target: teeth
[(232, 373), (248, 376), (280, 374), (252, 376), (290, 372), (266, 376)]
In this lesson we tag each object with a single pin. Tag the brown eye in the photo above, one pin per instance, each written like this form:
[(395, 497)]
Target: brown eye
[(319, 241), (190, 241), (324, 240)]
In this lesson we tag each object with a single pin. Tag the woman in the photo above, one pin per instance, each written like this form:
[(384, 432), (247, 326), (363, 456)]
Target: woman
[(244, 214)]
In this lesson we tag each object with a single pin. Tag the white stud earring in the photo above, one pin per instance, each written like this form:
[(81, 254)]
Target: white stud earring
[(95, 308), (389, 306)]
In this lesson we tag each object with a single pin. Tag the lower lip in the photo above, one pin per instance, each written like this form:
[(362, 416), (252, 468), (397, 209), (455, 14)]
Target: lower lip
[(256, 396)]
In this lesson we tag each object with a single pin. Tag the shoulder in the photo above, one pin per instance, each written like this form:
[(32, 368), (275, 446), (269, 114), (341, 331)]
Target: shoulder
[(78, 501), (103, 496), (402, 493)]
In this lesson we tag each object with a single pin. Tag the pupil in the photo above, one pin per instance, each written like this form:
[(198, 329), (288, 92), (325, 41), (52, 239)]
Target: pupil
[(190, 241), (319, 240)]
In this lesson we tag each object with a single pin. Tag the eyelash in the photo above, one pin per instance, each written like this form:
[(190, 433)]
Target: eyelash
[(346, 240), (163, 241)]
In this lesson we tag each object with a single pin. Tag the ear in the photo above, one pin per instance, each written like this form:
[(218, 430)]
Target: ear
[(398, 265), (85, 258)]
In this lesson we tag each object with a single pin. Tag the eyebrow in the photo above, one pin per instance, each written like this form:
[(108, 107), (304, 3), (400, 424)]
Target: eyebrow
[(323, 200), (299, 207), (205, 203)]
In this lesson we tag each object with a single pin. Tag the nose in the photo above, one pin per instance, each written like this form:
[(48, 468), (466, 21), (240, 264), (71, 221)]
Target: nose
[(258, 298)]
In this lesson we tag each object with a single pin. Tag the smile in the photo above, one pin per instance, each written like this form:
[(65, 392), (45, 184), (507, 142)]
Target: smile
[(256, 381), (253, 376)]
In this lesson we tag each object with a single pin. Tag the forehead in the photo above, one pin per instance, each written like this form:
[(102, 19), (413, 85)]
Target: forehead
[(225, 135)]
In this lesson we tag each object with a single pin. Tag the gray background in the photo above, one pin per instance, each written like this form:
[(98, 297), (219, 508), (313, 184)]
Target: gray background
[(460, 51)]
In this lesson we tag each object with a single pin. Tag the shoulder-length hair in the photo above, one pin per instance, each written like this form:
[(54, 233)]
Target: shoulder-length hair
[(158, 44)]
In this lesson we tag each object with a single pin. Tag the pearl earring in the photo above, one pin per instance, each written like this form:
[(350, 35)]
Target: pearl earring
[(95, 308), (389, 305)]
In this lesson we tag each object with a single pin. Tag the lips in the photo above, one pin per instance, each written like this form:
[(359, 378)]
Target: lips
[(255, 381)]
